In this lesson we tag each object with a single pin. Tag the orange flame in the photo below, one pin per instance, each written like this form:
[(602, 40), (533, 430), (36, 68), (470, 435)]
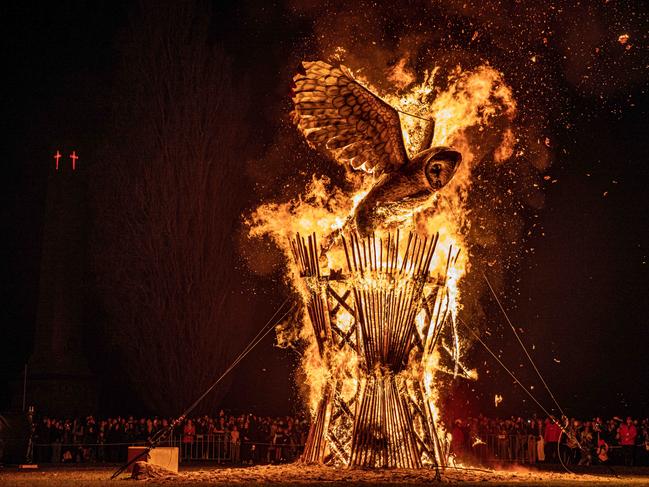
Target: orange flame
[(473, 100)]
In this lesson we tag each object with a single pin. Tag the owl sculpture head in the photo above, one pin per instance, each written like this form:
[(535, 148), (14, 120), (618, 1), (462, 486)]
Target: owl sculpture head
[(440, 165)]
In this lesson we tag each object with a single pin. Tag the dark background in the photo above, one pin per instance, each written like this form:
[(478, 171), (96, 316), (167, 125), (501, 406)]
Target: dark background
[(579, 290)]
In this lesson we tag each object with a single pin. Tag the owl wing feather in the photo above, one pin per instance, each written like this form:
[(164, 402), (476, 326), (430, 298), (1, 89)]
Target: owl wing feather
[(338, 114)]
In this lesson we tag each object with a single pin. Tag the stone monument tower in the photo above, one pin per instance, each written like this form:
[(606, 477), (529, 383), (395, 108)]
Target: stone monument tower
[(59, 381)]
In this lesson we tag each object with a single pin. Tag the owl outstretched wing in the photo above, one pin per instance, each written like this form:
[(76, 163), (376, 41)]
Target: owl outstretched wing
[(337, 113)]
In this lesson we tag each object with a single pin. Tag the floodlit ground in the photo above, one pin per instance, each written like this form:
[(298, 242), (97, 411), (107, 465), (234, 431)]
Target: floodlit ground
[(301, 475)]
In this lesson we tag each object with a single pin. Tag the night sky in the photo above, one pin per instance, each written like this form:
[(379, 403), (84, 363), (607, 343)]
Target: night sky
[(578, 285)]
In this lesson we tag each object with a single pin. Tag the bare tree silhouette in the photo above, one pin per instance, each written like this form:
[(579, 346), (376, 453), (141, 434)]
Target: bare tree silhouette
[(166, 208)]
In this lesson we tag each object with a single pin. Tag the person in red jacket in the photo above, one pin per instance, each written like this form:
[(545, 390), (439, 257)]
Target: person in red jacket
[(189, 432), (457, 439), (626, 434), (551, 440)]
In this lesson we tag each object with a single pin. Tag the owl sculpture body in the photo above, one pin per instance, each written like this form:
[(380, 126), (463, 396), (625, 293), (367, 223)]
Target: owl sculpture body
[(397, 194), (336, 113)]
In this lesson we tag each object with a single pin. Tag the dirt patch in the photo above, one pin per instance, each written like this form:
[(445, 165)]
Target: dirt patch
[(297, 475), (148, 471)]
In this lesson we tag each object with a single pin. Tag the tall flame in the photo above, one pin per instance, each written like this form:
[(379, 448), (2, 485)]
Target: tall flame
[(473, 101)]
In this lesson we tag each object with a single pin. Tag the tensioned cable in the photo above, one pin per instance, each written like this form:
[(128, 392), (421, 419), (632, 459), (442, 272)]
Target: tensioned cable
[(158, 437), (562, 428), (503, 366), (255, 341), (502, 309), (547, 388), (529, 357), (511, 325), (429, 120), (563, 431)]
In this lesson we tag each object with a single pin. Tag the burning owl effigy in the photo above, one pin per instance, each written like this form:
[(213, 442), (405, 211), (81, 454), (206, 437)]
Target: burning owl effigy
[(337, 113), (372, 411), (378, 268)]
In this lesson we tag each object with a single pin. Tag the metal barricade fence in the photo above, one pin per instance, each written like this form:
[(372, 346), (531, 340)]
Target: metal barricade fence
[(495, 448), (215, 447), (212, 447)]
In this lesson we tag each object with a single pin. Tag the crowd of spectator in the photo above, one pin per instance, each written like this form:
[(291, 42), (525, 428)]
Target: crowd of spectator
[(248, 439), (553, 440), (245, 438)]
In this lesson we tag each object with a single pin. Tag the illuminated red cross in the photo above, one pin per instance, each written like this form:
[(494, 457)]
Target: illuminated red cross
[(74, 158), (57, 156)]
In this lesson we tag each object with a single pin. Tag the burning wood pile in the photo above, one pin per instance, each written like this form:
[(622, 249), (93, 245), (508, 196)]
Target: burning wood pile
[(368, 314)]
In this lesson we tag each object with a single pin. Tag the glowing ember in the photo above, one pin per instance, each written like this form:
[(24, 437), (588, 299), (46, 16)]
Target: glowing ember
[(382, 290), (497, 399)]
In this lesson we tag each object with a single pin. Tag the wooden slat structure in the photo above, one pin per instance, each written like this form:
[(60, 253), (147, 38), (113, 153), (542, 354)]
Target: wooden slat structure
[(386, 285)]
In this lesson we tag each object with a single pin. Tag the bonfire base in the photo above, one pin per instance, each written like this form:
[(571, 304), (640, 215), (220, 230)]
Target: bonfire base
[(377, 414)]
